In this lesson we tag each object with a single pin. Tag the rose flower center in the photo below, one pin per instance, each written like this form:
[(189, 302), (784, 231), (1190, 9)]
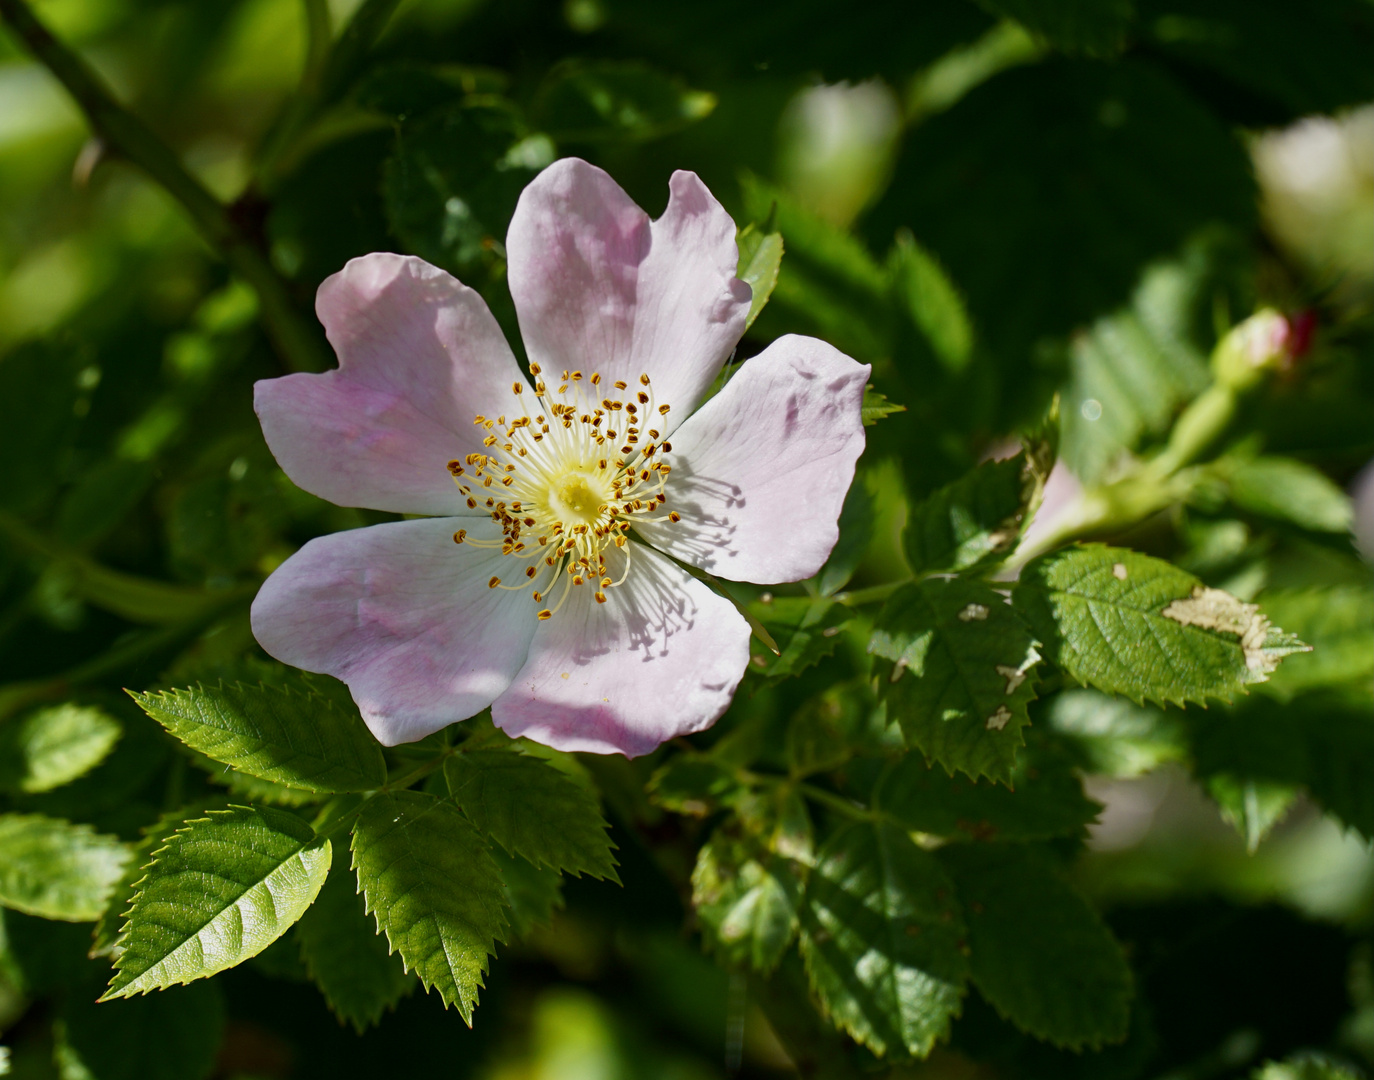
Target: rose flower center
[(567, 483)]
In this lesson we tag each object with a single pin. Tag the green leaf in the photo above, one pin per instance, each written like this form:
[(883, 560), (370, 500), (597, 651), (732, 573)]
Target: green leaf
[(615, 101), (1251, 807), (806, 629), (1131, 371), (101, 499), (286, 734), (57, 870), (881, 934), (954, 667), (347, 957), (434, 889), (932, 302), (1280, 65), (1096, 27), (1288, 490), (983, 185), (694, 784), (169, 1036), (831, 287), (760, 259), (1117, 737), (747, 902), (1045, 799), (407, 90), (223, 888), (532, 892), (1038, 952), (531, 809), (54, 746), (827, 730), (1305, 1067), (1129, 624), (452, 183), (55, 388), (856, 534), (104, 939), (1338, 622), (1323, 741), (876, 407), (972, 521)]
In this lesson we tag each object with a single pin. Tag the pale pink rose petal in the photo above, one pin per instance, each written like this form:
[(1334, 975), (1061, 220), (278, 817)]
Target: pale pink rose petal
[(600, 288), (405, 617), (660, 658), (761, 471), (419, 356)]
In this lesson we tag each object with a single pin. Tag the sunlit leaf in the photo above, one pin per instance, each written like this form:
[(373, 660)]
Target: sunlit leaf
[(222, 889), (1130, 624), (286, 734), (57, 870), (54, 746)]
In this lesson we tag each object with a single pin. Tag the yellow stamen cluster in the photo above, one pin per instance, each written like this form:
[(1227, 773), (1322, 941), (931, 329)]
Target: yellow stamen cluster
[(568, 482)]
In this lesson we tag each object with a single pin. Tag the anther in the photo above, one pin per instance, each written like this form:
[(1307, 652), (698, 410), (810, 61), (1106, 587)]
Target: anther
[(545, 615), (495, 581), (460, 536)]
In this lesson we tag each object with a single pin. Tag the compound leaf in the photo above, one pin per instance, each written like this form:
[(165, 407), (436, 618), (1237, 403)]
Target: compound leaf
[(1045, 799)]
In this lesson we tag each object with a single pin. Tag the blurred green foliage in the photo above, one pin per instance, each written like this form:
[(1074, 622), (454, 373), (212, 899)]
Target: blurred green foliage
[(915, 846)]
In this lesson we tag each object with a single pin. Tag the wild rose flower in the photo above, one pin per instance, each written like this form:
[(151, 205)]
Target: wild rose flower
[(533, 585)]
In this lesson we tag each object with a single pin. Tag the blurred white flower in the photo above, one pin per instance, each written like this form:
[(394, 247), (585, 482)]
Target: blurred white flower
[(1317, 195)]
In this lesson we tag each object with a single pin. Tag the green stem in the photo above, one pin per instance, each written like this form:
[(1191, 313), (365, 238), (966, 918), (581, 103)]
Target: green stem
[(137, 599), (871, 595), (330, 820), (1200, 425), (837, 803), (318, 31), (297, 342)]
